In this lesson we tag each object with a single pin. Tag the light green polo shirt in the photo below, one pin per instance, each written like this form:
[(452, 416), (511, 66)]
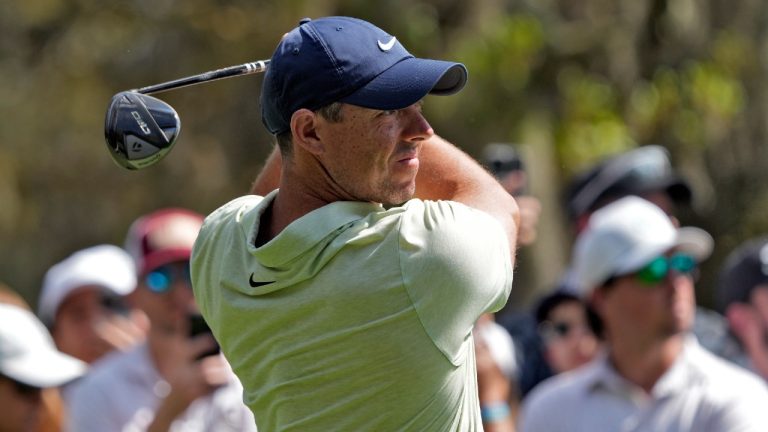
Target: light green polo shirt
[(355, 317)]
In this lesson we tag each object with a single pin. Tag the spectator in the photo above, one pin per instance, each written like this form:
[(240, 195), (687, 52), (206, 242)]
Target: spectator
[(569, 331), (497, 358), (29, 364), (506, 164), (52, 412), (743, 298), (496, 375), (636, 269), (168, 382), (346, 297), (548, 346), (645, 172), (82, 303), (500, 345)]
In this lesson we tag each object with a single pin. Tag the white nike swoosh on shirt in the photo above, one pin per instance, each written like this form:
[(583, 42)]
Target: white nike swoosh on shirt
[(387, 46)]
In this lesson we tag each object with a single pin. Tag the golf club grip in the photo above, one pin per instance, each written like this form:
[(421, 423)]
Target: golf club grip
[(243, 69)]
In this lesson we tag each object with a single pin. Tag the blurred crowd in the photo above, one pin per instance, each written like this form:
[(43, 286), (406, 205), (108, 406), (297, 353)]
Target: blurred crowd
[(116, 341), (620, 343)]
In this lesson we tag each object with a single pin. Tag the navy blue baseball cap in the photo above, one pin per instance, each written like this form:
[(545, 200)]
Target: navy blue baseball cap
[(343, 59)]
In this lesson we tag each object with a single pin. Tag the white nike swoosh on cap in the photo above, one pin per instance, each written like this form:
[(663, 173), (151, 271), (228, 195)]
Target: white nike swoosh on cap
[(387, 46)]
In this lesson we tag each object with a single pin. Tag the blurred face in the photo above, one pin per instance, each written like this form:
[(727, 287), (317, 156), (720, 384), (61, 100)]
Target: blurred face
[(77, 319), (22, 406), (165, 295), (514, 182), (373, 155), (749, 323), (568, 340), (635, 308), (759, 300)]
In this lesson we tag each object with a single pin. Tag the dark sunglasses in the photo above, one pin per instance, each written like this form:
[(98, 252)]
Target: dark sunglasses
[(551, 330), (658, 269), (161, 279)]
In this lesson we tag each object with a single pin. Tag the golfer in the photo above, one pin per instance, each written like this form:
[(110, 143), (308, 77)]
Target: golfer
[(344, 292)]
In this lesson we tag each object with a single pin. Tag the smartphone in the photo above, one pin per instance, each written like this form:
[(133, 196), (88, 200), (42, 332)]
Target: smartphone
[(114, 304), (505, 162), (198, 326)]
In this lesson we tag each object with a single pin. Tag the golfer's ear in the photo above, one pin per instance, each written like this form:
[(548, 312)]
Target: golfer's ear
[(303, 129)]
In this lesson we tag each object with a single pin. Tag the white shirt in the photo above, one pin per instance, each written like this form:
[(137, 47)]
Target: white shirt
[(699, 393)]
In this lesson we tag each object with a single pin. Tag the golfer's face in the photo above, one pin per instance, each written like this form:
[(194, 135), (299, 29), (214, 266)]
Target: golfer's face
[(373, 155)]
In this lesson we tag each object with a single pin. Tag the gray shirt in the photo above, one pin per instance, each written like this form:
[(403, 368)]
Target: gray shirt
[(122, 391), (700, 392)]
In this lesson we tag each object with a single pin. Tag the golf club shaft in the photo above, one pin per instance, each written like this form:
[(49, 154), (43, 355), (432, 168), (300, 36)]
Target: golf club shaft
[(243, 69)]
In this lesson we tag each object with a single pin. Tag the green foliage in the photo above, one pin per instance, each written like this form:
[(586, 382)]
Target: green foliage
[(579, 80)]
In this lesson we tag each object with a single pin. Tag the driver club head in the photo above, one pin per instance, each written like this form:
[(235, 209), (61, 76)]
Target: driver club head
[(139, 129)]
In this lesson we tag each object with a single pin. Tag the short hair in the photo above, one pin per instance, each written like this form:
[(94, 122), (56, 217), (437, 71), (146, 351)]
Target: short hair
[(330, 112), (550, 301)]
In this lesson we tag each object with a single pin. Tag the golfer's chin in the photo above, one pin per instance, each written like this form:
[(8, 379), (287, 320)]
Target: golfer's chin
[(398, 194)]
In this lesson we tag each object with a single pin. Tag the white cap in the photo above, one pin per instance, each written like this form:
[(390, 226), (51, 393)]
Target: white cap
[(27, 352), (107, 266), (501, 346), (627, 234)]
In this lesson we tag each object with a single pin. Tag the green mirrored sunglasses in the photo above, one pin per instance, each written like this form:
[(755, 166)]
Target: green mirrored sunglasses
[(656, 270)]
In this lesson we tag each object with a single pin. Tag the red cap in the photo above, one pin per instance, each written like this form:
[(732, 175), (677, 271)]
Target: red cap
[(162, 237)]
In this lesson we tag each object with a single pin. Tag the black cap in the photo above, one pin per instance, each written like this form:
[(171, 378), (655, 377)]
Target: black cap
[(745, 268), (636, 172)]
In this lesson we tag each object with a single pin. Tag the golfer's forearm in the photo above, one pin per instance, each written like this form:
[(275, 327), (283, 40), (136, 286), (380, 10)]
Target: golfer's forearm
[(447, 173), (269, 177)]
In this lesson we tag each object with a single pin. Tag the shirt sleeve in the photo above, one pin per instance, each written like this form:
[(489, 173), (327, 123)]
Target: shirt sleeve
[(745, 413), (456, 265)]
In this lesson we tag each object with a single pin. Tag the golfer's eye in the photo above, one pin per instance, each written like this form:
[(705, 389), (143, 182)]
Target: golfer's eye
[(389, 112)]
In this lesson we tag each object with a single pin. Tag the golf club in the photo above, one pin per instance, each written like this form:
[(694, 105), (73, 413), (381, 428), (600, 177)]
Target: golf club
[(141, 129)]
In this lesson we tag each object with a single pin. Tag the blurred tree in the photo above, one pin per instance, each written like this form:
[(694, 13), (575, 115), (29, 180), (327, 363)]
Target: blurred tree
[(573, 80)]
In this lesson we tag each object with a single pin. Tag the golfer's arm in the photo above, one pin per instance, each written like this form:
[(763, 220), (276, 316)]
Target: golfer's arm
[(269, 177), (447, 173)]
